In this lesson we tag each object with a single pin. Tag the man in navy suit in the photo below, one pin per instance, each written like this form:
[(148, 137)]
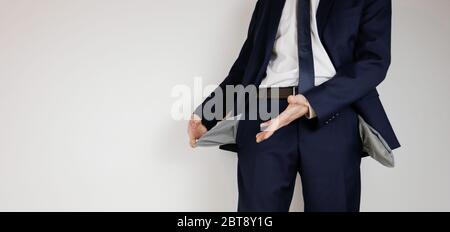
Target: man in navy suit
[(325, 59)]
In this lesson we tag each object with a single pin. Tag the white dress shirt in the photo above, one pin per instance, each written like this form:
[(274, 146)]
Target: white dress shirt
[(283, 68)]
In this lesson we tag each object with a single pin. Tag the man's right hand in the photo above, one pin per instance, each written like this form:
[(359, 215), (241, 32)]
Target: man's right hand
[(195, 130)]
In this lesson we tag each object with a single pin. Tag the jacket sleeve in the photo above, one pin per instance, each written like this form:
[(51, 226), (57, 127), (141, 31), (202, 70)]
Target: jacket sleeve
[(237, 70), (372, 60)]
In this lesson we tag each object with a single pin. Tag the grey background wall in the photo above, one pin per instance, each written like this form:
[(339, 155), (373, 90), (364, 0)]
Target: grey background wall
[(85, 100)]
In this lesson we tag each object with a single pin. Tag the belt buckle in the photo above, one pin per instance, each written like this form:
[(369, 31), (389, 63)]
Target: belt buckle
[(294, 92)]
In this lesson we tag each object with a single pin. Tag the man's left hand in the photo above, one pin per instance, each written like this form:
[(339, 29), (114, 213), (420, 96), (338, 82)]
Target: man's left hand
[(297, 108)]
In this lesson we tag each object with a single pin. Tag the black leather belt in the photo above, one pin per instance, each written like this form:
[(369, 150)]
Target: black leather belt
[(277, 92)]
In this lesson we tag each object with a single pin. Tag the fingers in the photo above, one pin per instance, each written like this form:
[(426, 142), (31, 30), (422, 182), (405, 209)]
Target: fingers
[(270, 128), (195, 130), (286, 117), (297, 99), (260, 137), (192, 142), (265, 125), (194, 123), (291, 99), (193, 126), (194, 134)]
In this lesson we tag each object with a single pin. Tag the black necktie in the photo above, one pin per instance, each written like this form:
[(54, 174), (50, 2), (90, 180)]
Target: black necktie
[(305, 53)]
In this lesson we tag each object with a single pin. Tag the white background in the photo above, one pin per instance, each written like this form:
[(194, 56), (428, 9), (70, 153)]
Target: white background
[(85, 100)]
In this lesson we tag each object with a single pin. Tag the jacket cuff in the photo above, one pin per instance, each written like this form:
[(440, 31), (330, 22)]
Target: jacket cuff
[(322, 109)]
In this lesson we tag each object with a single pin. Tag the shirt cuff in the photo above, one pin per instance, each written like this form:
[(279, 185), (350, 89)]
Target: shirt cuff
[(311, 113)]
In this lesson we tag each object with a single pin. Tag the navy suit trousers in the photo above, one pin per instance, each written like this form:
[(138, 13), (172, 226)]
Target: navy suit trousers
[(327, 158)]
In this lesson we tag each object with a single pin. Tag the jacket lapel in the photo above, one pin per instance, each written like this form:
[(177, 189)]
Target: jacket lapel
[(322, 14), (274, 10)]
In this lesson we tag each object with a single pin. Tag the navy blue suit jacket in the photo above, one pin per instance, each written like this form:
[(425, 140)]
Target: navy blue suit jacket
[(356, 35)]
